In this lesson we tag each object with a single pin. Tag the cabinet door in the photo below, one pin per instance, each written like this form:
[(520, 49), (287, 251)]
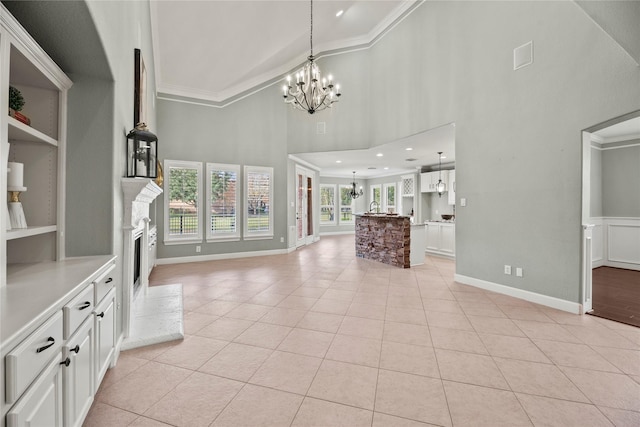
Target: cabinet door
[(433, 237), (105, 336), (41, 405), (425, 182), (79, 374), (447, 239)]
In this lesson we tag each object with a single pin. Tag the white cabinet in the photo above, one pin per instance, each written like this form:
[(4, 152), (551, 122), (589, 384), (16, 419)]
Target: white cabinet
[(429, 180), (441, 238), (41, 405), (408, 187), (153, 248), (78, 374), (39, 146), (105, 335), (452, 187)]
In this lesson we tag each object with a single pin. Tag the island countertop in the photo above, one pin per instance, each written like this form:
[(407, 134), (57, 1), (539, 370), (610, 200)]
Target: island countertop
[(384, 238)]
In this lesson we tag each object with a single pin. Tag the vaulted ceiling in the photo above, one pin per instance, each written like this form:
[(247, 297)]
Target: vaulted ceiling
[(215, 50)]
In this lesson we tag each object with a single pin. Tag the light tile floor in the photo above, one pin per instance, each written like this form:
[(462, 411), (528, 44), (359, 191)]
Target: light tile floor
[(320, 338)]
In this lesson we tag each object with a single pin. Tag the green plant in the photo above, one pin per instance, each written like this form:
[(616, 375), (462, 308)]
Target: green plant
[(16, 101)]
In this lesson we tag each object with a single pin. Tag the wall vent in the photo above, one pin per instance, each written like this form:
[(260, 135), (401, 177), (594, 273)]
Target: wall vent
[(523, 55), (321, 128)]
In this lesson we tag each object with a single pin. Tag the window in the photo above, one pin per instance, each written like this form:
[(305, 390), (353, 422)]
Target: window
[(182, 201), (258, 223), (376, 195), (346, 205), (327, 204), (390, 198), (223, 199)]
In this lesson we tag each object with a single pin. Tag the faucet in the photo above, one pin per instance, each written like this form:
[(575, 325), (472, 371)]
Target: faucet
[(377, 206)]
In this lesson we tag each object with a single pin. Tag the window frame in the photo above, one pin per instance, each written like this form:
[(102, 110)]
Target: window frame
[(334, 221), (340, 206), (385, 194), (257, 235), (223, 236), (177, 239)]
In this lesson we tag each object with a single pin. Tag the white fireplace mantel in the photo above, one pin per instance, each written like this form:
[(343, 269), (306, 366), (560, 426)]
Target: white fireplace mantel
[(138, 194)]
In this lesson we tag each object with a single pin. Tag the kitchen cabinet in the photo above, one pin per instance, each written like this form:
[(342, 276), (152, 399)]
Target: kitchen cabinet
[(429, 180), (105, 335), (408, 187), (58, 326), (78, 368), (452, 187), (440, 238), (41, 405)]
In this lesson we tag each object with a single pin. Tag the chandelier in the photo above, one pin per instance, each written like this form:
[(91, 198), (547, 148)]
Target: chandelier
[(440, 187), (310, 92), (353, 193)]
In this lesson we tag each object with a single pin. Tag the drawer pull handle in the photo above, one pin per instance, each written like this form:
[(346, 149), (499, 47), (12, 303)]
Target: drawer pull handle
[(109, 280), (51, 342), (76, 349), (66, 362), (84, 305), (100, 314)]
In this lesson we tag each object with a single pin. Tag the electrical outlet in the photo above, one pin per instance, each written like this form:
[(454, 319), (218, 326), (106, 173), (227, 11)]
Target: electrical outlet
[(282, 240), (507, 269), (198, 249), (463, 202), (518, 272)]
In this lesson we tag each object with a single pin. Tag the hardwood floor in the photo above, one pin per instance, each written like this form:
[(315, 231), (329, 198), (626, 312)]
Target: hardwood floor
[(616, 295)]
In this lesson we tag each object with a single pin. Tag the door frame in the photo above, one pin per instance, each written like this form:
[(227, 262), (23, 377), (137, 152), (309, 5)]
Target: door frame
[(307, 208), (586, 261)]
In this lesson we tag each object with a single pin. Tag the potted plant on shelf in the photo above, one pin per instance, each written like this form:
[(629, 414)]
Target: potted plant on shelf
[(16, 102)]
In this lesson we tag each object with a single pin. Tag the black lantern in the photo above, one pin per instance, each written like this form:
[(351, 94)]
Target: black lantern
[(142, 153)]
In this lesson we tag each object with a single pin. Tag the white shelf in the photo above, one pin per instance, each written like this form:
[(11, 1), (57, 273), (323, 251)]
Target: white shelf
[(19, 233), (19, 131)]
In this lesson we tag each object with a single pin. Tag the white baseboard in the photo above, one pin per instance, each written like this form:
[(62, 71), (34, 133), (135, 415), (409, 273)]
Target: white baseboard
[(557, 303), (217, 257), (625, 265), (336, 233)]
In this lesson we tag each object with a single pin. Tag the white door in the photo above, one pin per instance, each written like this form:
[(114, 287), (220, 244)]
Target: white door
[(304, 206)]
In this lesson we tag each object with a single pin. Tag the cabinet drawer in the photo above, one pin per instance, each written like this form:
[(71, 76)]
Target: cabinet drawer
[(78, 310), (28, 359), (103, 284)]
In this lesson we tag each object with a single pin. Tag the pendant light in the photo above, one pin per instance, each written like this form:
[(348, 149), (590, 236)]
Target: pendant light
[(353, 193), (440, 187)]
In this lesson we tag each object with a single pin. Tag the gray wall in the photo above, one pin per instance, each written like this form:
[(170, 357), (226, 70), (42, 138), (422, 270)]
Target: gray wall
[(515, 130), (621, 181), (596, 181), (248, 132)]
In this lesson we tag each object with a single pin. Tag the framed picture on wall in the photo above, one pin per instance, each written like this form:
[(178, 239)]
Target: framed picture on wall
[(140, 89)]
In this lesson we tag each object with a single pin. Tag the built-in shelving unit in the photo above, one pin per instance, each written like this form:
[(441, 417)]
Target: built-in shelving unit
[(40, 146)]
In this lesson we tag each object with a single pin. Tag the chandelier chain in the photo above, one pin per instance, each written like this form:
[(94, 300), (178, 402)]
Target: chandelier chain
[(311, 31)]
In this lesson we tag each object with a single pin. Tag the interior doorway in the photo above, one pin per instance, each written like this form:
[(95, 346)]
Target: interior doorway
[(304, 206), (611, 219)]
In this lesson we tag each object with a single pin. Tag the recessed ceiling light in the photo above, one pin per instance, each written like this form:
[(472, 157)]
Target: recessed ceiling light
[(379, 155), (340, 12), (408, 148), (338, 161), (444, 157), (386, 168)]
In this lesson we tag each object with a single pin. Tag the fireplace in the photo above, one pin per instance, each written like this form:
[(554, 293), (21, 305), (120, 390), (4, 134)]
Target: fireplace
[(138, 194), (137, 261)]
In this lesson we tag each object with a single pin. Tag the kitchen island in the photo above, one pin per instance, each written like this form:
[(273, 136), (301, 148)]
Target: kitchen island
[(385, 238)]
